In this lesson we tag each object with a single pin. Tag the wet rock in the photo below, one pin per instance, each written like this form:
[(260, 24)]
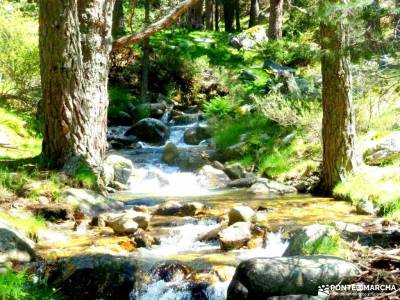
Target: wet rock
[(194, 135), (307, 236), (192, 159), (169, 208), (141, 219), (212, 235), (191, 209), (171, 272), (210, 177), (170, 153), (53, 213), (156, 110), (267, 186), (180, 118), (89, 202), (243, 182), (261, 278), (240, 214), (235, 236), (14, 246), (235, 171), (384, 150), (143, 240), (172, 208), (123, 225), (366, 207), (117, 168), (93, 277), (250, 38), (150, 131)]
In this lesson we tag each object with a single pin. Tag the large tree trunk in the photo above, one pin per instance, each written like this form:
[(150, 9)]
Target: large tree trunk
[(338, 128), (275, 20), (75, 42), (217, 2), (254, 13), (237, 14), (209, 14), (118, 25), (229, 15)]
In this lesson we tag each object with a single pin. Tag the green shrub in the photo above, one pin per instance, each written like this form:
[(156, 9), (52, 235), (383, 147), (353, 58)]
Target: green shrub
[(20, 286), (12, 181), (120, 99), (218, 107), (327, 245)]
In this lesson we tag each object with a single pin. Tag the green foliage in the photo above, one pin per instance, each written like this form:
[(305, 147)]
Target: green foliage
[(20, 286), (291, 53), (19, 58), (327, 244), (218, 107), (119, 100), (84, 177), (13, 181), (28, 224)]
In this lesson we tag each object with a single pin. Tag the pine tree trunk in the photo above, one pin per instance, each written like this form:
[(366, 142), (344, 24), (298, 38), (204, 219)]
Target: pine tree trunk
[(209, 14), (275, 20), (338, 128), (195, 15), (237, 14), (217, 15), (254, 13), (229, 15), (118, 26), (75, 42)]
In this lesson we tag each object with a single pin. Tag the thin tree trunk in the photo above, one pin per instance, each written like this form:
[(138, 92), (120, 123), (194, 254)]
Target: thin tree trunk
[(146, 53), (237, 14), (229, 15), (254, 13), (217, 15), (118, 26), (338, 128), (75, 42), (275, 20), (209, 14), (195, 15)]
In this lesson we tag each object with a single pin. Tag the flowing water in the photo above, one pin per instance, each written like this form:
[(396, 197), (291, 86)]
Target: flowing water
[(153, 183)]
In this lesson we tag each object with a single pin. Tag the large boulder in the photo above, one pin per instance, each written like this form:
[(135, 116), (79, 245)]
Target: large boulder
[(241, 214), (212, 178), (170, 154), (93, 277), (173, 208), (235, 171), (309, 237), (384, 150), (235, 236), (250, 38), (89, 202), (196, 134), (117, 168), (150, 130), (123, 225), (266, 186), (141, 219), (14, 246), (261, 278)]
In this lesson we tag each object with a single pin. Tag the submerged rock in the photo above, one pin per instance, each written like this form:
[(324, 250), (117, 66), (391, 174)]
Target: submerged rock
[(14, 246), (261, 278), (150, 130), (144, 240), (241, 214), (267, 186), (235, 236)]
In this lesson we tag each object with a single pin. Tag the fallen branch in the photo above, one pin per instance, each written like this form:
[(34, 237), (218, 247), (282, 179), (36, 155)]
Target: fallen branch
[(156, 27)]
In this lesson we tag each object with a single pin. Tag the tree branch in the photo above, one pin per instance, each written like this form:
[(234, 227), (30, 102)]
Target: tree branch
[(166, 21)]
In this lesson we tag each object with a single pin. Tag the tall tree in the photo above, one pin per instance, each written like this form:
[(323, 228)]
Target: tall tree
[(254, 12), (146, 54), (229, 15), (237, 14), (118, 25), (217, 6), (195, 15), (209, 14), (338, 126), (275, 19), (75, 43)]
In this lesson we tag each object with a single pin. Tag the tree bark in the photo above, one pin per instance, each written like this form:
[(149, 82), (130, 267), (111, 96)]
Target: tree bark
[(195, 15), (209, 15), (118, 26), (75, 42), (217, 15), (338, 128), (152, 29), (229, 15), (254, 13), (275, 19), (237, 14)]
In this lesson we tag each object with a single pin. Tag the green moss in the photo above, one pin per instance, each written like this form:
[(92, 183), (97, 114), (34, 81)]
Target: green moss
[(20, 286), (379, 185)]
